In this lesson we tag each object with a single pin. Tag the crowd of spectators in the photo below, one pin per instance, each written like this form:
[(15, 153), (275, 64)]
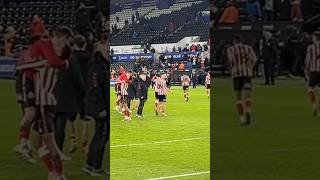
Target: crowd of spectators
[(287, 55), (233, 11), (89, 21)]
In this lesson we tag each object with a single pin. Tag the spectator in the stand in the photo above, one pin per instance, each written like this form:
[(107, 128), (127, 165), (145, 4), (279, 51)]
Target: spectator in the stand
[(9, 38), (205, 47), (132, 18), (134, 34), (283, 10), (296, 12), (137, 15), (1, 42), (269, 10), (152, 50), (126, 23), (199, 48), (37, 27), (230, 13), (189, 64), (174, 49), (254, 10), (182, 66), (179, 49), (117, 18), (193, 48), (172, 26), (83, 19)]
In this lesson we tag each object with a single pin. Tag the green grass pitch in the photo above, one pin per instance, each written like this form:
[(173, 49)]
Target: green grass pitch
[(281, 144), (11, 166), (156, 147)]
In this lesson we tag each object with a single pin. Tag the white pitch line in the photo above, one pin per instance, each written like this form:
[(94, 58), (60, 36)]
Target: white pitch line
[(182, 175), (158, 142)]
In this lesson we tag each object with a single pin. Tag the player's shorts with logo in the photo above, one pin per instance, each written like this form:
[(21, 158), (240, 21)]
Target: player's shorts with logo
[(185, 88), (162, 98), (242, 83), (25, 90), (314, 79), (125, 98), (118, 90), (44, 123)]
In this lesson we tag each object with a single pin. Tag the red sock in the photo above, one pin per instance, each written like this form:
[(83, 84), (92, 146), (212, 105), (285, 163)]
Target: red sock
[(58, 166), (24, 133), (240, 108), (248, 104), (45, 157), (312, 97), (126, 113)]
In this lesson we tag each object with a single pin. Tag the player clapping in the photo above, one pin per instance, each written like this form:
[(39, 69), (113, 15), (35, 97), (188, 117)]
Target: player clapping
[(185, 82), (162, 89)]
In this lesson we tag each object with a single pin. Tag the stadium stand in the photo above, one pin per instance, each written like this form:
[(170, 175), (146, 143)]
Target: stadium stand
[(156, 25), (16, 20), (289, 33), (154, 30)]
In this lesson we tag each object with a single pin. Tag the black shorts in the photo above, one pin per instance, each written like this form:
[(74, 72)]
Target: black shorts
[(208, 86), (314, 79), (242, 83), (125, 99), (118, 90), (45, 117), (156, 95), (162, 98), (185, 88), (25, 90)]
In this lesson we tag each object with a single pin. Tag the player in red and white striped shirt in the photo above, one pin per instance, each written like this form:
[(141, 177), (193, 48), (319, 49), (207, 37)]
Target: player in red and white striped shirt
[(125, 81), (162, 89), (119, 103), (242, 59), (208, 84), (312, 69), (185, 82)]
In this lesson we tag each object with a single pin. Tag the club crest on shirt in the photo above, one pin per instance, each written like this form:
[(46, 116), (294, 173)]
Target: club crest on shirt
[(30, 95)]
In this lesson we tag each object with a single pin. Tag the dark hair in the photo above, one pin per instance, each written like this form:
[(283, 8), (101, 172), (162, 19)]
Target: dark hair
[(317, 35), (63, 31), (79, 41), (237, 38)]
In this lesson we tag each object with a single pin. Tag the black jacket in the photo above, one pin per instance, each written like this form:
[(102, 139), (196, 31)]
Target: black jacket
[(69, 87), (97, 98), (83, 59), (142, 89), (132, 88)]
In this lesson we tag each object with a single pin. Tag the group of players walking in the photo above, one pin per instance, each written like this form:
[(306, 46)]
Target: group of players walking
[(242, 59), (132, 91), (52, 87)]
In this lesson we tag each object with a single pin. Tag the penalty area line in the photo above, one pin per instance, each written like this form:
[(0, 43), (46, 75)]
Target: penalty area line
[(181, 175), (158, 142)]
